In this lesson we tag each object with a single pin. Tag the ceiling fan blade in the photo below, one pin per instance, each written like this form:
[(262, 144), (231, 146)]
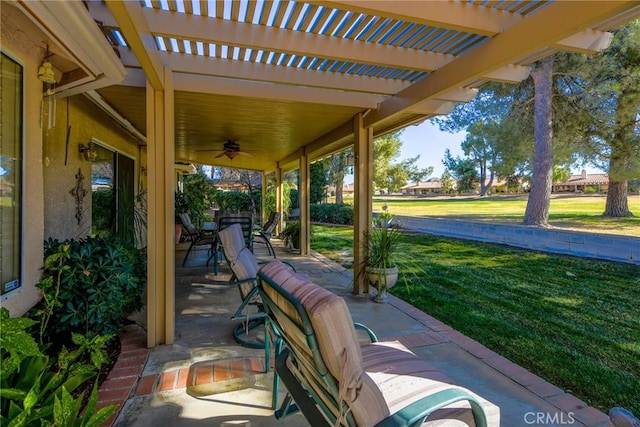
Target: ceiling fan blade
[(220, 155), (242, 153)]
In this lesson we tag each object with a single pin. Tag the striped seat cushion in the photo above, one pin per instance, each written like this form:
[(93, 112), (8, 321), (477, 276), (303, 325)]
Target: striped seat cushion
[(403, 378), (232, 241), (377, 379)]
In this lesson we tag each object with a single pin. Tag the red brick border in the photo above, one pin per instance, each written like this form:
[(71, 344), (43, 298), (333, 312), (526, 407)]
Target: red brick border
[(123, 378)]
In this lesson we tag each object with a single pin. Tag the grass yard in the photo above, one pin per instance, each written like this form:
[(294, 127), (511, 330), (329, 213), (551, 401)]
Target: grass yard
[(576, 212), (573, 321)]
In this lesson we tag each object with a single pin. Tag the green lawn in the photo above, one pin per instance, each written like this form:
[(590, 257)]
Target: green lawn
[(573, 321), (577, 212)]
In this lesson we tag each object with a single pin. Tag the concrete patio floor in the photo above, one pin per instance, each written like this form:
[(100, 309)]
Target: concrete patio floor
[(205, 378)]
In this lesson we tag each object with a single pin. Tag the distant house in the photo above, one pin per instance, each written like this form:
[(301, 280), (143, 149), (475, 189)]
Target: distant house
[(432, 186), (348, 190), (580, 182), (498, 185)]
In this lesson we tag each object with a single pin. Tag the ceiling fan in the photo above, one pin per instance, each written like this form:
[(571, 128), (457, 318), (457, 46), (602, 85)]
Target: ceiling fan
[(230, 149)]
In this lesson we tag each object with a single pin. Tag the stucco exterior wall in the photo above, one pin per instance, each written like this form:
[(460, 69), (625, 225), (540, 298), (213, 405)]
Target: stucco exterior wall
[(86, 122), (48, 207), (24, 43)]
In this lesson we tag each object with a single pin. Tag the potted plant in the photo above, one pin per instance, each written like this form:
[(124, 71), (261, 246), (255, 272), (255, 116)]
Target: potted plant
[(291, 234), (181, 206), (381, 245)]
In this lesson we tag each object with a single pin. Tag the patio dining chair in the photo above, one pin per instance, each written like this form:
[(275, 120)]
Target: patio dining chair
[(263, 235), (198, 237), (244, 219)]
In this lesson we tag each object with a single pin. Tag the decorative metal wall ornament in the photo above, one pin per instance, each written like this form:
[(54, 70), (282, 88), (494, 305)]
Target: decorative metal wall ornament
[(79, 193)]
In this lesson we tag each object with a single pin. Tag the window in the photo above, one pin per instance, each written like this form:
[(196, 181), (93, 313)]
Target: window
[(112, 186), (10, 175)]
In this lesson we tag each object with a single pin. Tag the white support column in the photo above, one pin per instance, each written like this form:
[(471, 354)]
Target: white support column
[(279, 201), (363, 187), (303, 194), (161, 251), (263, 195)]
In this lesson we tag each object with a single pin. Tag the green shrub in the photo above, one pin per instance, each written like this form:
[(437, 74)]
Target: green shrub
[(293, 198), (233, 201), (199, 194), (89, 285), (332, 213), (270, 199), (36, 390)]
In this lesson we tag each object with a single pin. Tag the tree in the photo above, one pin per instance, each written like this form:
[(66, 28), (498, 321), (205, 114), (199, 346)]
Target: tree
[(480, 146), (500, 132), (607, 103), (249, 179), (388, 174), (337, 171), (537, 210), (462, 169), (447, 182), (318, 176), (560, 174)]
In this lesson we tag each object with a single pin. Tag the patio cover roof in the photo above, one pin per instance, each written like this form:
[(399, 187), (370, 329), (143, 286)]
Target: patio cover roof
[(276, 76)]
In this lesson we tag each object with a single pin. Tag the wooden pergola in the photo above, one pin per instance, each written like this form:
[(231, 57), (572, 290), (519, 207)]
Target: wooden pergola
[(293, 81)]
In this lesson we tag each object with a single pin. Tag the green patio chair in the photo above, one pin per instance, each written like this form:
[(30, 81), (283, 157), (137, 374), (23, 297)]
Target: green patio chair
[(244, 267), (336, 381)]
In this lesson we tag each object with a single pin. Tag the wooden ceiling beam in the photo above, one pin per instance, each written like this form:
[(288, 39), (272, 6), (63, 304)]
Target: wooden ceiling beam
[(458, 16), (270, 39), (131, 20), (245, 70), (259, 90), (555, 22)]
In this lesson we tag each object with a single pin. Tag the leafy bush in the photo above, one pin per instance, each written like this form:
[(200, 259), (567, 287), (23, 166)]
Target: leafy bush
[(293, 199), (270, 199), (36, 389), (332, 213), (233, 201), (291, 234), (199, 194), (89, 285)]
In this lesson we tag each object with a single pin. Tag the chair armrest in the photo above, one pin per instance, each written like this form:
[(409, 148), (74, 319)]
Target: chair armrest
[(372, 336), (414, 414)]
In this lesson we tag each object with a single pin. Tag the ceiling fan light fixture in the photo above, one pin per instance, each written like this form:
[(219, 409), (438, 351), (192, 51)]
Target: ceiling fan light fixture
[(231, 154)]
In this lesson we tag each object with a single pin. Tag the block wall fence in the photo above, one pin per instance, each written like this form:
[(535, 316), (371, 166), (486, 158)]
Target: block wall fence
[(591, 245)]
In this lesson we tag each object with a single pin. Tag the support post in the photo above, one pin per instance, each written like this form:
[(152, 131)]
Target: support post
[(279, 201), (263, 194), (161, 251), (363, 191), (303, 194)]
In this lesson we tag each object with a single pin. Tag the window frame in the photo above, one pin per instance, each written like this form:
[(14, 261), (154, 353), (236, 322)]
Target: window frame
[(116, 152), (23, 169)]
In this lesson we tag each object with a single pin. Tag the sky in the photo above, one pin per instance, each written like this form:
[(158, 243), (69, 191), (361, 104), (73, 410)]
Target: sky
[(428, 141)]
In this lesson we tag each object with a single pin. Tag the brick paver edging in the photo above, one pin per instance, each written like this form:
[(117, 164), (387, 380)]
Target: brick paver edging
[(123, 378)]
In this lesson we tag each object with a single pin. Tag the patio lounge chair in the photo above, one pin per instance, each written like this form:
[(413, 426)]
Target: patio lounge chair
[(244, 267), (334, 380), (264, 234), (197, 237)]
